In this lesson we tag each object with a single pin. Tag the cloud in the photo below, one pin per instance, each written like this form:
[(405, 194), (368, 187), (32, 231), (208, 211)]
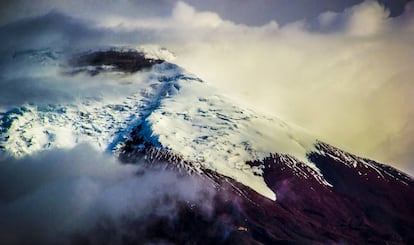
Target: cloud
[(366, 18), (347, 81), (345, 76), (52, 196), (34, 56)]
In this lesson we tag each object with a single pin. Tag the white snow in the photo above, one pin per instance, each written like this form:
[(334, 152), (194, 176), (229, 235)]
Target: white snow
[(212, 130), (182, 113)]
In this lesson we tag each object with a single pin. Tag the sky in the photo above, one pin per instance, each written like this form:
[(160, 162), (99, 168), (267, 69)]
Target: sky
[(342, 70)]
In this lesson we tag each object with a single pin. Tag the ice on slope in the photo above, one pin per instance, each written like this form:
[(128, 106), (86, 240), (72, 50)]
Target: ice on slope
[(210, 130), (179, 111)]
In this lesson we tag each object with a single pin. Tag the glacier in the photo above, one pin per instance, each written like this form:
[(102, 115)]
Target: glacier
[(177, 111)]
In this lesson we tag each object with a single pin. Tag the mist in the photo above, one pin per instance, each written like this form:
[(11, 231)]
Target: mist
[(344, 76), (49, 197)]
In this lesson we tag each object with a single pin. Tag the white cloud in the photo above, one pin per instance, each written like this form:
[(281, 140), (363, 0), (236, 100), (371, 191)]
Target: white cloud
[(185, 15), (349, 85), (348, 81), (367, 19)]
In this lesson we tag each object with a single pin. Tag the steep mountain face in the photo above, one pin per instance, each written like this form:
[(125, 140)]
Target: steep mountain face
[(368, 202), (275, 183)]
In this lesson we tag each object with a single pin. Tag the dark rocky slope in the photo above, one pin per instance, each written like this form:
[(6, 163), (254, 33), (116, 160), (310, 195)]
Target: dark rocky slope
[(369, 203)]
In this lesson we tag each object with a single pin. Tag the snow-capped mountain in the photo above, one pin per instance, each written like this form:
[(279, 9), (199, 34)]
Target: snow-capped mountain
[(175, 110), (275, 182)]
